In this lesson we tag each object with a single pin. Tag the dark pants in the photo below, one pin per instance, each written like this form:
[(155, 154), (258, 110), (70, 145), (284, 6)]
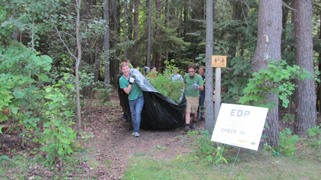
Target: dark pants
[(201, 107)]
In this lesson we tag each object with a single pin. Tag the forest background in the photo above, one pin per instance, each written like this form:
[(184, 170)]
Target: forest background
[(54, 53)]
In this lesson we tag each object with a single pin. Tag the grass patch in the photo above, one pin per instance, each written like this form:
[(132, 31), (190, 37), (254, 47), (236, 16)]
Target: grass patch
[(304, 164)]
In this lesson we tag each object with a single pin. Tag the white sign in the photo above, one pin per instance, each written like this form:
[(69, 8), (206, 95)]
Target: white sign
[(240, 125)]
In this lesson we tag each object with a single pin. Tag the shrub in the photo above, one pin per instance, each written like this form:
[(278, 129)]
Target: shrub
[(287, 143), (164, 84), (314, 135), (208, 150), (277, 78)]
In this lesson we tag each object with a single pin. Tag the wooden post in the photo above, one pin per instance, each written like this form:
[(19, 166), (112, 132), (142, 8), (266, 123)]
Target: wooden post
[(217, 92), (218, 62)]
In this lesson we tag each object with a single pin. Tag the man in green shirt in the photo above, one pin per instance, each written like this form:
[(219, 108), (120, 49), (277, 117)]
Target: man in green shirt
[(135, 97), (193, 85)]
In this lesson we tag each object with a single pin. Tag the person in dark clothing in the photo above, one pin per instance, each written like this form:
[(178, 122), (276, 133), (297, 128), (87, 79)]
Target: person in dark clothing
[(123, 101), (201, 107)]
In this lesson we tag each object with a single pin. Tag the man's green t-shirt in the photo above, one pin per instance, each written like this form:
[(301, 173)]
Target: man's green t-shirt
[(134, 93), (190, 91)]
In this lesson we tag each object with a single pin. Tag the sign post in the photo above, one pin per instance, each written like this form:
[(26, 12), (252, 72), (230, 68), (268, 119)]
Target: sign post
[(240, 125), (218, 62)]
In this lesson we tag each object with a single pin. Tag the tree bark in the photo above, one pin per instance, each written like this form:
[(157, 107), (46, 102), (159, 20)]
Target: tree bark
[(130, 20), (125, 29), (78, 59), (106, 43), (237, 13), (149, 31), (269, 48), (319, 67), (158, 53), (209, 111), (115, 31), (306, 97), (136, 16)]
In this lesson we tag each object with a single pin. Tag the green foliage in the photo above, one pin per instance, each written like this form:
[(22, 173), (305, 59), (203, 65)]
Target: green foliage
[(314, 135), (28, 16), (164, 84), (277, 78), (103, 91), (58, 136), (22, 73), (235, 78), (288, 118), (287, 142), (25, 101), (207, 150)]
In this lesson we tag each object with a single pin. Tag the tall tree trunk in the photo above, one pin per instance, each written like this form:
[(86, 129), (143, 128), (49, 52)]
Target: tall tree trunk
[(130, 20), (166, 21), (306, 106), (106, 43), (78, 59), (209, 111), (237, 13), (269, 48), (149, 31), (125, 29), (115, 27), (319, 67), (136, 16), (158, 55), (285, 16), (185, 16)]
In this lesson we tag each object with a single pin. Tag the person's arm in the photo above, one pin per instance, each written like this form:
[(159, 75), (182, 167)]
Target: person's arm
[(202, 88), (128, 88), (201, 84)]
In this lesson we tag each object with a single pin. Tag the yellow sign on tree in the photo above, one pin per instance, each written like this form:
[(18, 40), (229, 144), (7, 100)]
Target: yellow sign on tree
[(218, 61)]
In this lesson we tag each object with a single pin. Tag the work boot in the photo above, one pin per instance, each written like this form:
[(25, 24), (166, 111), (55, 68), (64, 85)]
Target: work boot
[(192, 125), (187, 128)]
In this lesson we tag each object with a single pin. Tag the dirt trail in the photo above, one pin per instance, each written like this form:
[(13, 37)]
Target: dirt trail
[(112, 144)]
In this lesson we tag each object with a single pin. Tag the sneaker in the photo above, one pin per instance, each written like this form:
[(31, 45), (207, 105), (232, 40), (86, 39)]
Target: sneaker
[(187, 128), (136, 134)]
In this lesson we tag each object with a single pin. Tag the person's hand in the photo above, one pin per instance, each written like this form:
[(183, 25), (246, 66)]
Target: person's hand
[(131, 80), (196, 86)]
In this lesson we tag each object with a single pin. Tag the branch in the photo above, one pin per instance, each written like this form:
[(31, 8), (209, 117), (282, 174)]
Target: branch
[(284, 4), (63, 42)]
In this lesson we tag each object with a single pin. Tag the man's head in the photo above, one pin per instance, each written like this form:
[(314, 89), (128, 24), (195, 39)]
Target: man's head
[(125, 68), (201, 70), (191, 70), (128, 62)]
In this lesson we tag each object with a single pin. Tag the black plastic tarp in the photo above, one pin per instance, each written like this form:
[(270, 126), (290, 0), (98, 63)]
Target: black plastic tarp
[(159, 112)]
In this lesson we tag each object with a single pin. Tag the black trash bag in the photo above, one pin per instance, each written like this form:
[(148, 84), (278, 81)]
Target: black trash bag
[(159, 112)]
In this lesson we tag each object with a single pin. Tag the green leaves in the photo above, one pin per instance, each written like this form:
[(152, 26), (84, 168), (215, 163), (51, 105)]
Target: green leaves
[(277, 78), (25, 100), (164, 84), (58, 136), (287, 143)]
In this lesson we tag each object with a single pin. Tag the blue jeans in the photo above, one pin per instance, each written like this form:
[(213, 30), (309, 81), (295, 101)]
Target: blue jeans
[(136, 107)]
